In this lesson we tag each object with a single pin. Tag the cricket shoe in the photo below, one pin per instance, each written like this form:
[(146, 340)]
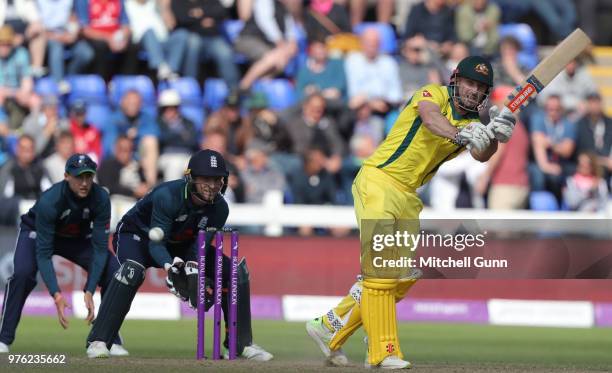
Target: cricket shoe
[(256, 353), (390, 362), (4, 349), (97, 349), (118, 350), (322, 336)]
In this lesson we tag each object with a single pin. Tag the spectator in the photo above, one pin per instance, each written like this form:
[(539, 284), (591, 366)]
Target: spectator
[(507, 70), (217, 141), (268, 40), (320, 74), (594, 133), (559, 16), (120, 173), (23, 177), (227, 120), (417, 66), (105, 31), (477, 22), (140, 127), (259, 175), (148, 30), (572, 85), (87, 138), (384, 10), (61, 30), (434, 20), (178, 138), (55, 163), (362, 146), (586, 190), (372, 126), (458, 52), (15, 79), (202, 19), (553, 139), (324, 18), (506, 172), (372, 77), (446, 183), (312, 185), (25, 20), (44, 125), (308, 127), (262, 124)]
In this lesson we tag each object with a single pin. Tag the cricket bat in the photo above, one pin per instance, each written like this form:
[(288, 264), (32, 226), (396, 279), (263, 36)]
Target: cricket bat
[(547, 70)]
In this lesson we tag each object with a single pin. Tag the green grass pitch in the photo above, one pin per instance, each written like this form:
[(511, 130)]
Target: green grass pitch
[(163, 346)]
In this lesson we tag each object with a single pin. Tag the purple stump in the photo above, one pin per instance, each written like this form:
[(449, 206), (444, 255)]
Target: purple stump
[(201, 294), (218, 295), (233, 302)]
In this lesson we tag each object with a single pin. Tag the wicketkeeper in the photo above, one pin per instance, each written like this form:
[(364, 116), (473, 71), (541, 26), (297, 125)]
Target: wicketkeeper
[(161, 231)]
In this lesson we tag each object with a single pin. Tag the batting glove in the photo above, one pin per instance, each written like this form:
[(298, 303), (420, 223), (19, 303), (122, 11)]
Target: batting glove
[(474, 135), (502, 123)]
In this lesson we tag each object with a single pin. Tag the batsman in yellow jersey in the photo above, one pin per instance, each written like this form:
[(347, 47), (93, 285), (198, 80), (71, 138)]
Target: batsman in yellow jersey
[(437, 124)]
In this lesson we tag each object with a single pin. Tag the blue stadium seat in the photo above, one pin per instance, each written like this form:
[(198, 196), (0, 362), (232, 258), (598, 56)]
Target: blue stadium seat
[(120, 84), (90, 88), (188, 88), (280, 92), (194, 113), (215, 92), (98, 115), (388, 41), (528, 56), (231, 29), (543, 201), (46, 86)]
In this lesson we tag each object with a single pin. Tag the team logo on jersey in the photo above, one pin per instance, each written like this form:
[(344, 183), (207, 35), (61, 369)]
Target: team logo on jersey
[(213, 161), (481, 68), (64, 214), (203, 222), (181, 218), (426, 93), (85, 213)]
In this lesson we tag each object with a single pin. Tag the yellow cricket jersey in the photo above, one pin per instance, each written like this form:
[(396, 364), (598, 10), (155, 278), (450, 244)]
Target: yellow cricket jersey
[(411, 153)]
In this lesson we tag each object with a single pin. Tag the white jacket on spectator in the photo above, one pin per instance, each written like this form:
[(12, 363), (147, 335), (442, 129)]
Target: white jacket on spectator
[(26, 10), (144, 15)]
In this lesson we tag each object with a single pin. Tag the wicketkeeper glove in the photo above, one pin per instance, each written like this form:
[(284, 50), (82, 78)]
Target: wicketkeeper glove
[(176, 280), (474, 135), (191, 270), (502, 123)]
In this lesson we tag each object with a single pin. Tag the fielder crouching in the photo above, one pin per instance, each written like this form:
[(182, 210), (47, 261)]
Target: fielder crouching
[(70, 219), (164, 225)]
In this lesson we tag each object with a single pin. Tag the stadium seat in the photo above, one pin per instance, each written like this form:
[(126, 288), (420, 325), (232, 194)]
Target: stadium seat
[(195, 114), (231, 29), (280, 92), (543, 201), (388, 41), (528, 56), (90, 88), (46, 86), (98, 115), (215, 92), (187, 88), (120, 84)]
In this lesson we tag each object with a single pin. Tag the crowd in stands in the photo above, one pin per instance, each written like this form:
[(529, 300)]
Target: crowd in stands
[(295, 93)]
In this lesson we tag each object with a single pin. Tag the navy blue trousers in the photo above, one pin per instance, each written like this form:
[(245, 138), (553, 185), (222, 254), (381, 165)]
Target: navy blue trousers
[(23, 280)]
